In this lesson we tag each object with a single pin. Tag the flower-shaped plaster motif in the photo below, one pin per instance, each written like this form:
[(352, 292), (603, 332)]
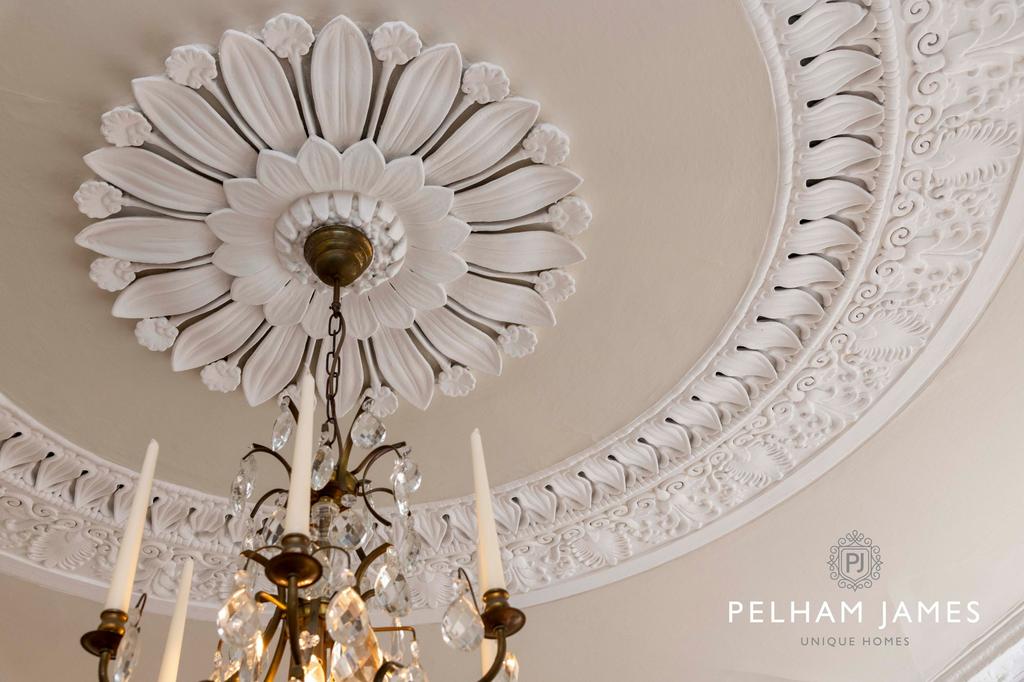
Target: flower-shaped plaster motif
[(452, 180)]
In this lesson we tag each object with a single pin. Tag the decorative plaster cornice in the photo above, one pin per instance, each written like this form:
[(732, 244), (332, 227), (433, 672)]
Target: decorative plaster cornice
[(897, 161), (996, 656)]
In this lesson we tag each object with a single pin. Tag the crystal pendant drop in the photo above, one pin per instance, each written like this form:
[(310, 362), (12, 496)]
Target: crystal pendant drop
[(347, 618), (230, 663), (509, 669), (283, 427), (339, 575), (238, 496), (355, 663), (238, 621), (392, 588), (406, 542), (461, 626), (243, 485), (350, 528), (399, 646), (413, 673), (325, 459), (406, 475), (244, 579), (250, 534), (126, 655), (321, 517), (368, 431), (401, 500), (245, 661), (273, 528)]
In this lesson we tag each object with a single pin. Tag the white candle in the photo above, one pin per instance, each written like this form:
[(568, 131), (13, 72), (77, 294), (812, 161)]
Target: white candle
[(297, 518), (492, 577), (121, 581), (172, 649), (488, 650), (488, 550)]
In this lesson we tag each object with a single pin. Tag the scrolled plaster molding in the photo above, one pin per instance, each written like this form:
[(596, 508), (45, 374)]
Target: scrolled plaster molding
[(888, 237)]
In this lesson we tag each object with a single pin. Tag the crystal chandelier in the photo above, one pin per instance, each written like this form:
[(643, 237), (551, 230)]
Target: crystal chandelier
[(316, 548)]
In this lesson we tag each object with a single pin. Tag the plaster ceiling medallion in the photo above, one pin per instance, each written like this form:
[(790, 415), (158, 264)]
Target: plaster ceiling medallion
[(232, 158)]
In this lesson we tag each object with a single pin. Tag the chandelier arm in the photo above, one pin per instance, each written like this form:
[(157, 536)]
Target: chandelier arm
[(469, 584), (292, 614), (397, 628), (275, 662), (373, 511), (262, 596), (388, 667), (103, 675), (256, 447), (254, 555), (364, 565), (499, 657), (368, 461), (332, 548), (264, 498)]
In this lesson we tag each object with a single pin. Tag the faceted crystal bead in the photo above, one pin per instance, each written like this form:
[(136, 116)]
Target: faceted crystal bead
[(391, 587), (307, 640), (238, 621), (509, 670), (349, 529), (127, 654), (283, 427), (347, 618), (368, 431), (461, 626), (325, 459), (321, 517), (406, 475)]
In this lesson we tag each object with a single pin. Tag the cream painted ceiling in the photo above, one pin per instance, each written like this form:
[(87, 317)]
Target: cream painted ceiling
[(676, 146)]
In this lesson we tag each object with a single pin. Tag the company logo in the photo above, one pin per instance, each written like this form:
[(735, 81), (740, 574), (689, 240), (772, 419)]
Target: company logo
[(854, 562)]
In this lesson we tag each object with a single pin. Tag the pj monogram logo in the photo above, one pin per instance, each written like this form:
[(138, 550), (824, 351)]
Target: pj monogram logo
[(854, 562)]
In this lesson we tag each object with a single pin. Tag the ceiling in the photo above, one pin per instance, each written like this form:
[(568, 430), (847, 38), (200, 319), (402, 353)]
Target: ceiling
[(784, 251)]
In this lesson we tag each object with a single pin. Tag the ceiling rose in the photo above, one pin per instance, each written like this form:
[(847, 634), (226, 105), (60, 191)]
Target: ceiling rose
[(229, 160)]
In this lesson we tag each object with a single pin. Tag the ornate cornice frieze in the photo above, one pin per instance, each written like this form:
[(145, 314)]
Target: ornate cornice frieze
[(899, 130), (996, 656)]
